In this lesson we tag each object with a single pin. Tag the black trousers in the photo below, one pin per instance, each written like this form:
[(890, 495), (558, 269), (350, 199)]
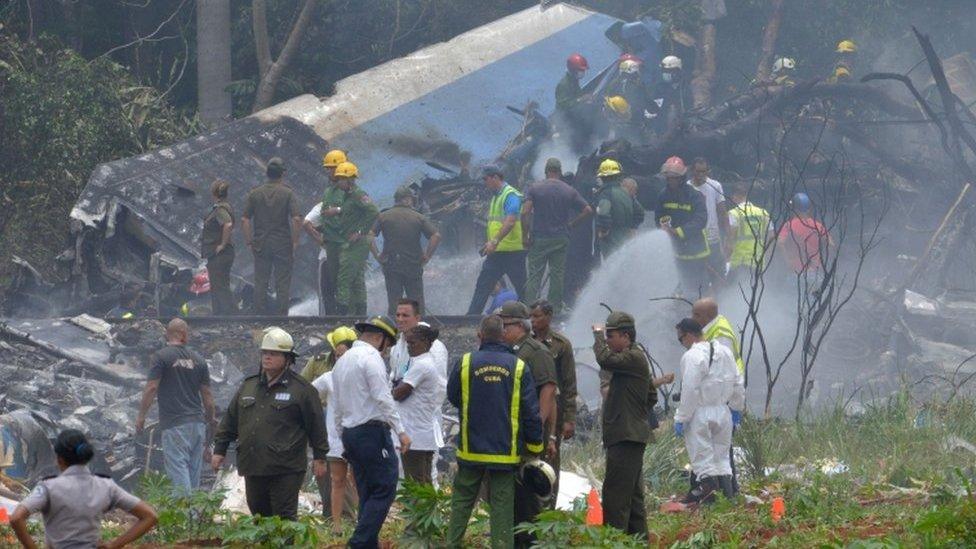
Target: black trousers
[(403, 281), (370, 453), (527, 506), (496, 266), (218, 269), (328, 271), (274, 495), (280, 260), (623, 488)]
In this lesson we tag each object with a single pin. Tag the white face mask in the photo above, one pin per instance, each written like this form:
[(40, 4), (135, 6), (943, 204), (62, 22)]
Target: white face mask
[(579, 74), (666, 76)]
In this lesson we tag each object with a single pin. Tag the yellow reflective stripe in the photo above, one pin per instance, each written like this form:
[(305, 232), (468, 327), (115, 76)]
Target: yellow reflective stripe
[(489, 458), (680, 232), (705, 253), (676, 206), (516, 403), (465, 397), (534, 448)]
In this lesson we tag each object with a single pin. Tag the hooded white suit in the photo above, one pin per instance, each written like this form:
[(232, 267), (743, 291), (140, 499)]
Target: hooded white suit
[(710, 389)]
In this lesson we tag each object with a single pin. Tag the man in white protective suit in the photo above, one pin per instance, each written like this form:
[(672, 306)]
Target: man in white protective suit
[(712, 399)]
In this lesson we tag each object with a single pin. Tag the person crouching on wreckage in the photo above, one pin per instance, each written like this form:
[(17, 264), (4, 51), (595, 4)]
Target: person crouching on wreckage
[(274, 417), (74, 501)]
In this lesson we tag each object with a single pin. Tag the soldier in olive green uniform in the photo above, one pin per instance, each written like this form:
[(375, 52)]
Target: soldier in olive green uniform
[(562, 354), (402, 258), (272, 236), (518, 335), (614, 210), (274, 417), (217, 249), (625, 421), (356, 218)]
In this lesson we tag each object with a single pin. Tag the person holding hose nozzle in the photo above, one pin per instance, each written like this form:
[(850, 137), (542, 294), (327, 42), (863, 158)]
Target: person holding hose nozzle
[(711, 402), (74, 501)]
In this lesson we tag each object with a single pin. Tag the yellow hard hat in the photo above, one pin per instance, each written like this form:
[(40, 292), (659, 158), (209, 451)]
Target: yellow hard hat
[(608, 167), (342, 334), (346, 169), (618, 105), (846, 46), (841, 72), (276, 339), (333, 158)]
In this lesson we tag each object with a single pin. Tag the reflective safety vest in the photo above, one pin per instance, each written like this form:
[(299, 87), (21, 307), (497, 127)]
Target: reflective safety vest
[(752, 224), (721, 327), (495, 442), (496, 218)]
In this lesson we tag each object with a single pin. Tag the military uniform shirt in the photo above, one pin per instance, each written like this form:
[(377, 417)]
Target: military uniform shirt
[(402, 227), (73, 504), (628, 402), (538, 359), (272, 425), (271, 208), (329, 226), (358, 214), (213, 228), (562, 355)]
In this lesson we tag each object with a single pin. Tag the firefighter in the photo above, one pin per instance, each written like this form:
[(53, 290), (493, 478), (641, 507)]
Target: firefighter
[(750, 233), (356, 217), (614, 210), (680, 212)]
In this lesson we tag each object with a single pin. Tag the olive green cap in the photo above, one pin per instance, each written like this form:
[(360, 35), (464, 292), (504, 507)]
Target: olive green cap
[(513, 309), (618, 320)]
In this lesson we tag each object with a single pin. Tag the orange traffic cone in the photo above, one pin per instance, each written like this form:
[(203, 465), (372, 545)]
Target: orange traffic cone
[(778, 510), (594, 510), (4, 518)]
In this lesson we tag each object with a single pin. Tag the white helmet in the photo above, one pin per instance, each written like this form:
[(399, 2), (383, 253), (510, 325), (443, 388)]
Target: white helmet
[(629, 66), (539, 477), (276, 339), (671, 62), (784, 64)]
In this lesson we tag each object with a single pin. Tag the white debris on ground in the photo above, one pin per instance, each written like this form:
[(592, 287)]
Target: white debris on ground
[(571, 486)]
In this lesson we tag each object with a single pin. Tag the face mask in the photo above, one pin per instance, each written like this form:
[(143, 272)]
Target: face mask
[(666, 76), (579, 74)]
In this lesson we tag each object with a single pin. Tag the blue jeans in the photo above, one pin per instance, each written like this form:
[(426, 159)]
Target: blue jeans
[(183, 454), (369, 450)]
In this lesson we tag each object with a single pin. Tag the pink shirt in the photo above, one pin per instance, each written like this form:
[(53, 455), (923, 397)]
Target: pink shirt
[(803, 241)]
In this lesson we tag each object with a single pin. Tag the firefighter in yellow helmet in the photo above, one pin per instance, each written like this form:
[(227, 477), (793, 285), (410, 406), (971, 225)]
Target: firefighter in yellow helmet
[(614, 209), (844, 64), (356, 216)]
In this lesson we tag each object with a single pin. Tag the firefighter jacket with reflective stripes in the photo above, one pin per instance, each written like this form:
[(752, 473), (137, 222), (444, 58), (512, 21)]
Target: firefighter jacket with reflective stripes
[(721, 328), (752, 230), (496, 218), (499, 410), (685, 207)]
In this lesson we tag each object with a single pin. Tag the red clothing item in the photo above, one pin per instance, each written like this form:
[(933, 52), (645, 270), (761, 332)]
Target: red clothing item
[(803, 240)]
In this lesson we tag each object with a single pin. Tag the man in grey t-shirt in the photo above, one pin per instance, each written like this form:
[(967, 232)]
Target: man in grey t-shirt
[(180, 378)]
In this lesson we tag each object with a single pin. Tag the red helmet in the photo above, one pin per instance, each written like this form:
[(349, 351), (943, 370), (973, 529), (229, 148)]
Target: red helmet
[(577, 62), (674, 167), (201, 283), (629, 57)]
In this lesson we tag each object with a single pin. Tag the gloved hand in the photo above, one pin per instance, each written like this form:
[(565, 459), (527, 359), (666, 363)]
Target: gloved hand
[(736, 418), (679, 429)]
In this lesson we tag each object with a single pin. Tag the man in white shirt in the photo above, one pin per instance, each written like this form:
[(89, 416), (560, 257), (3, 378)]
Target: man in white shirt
[(327, 265), (718, 216), (407, 318), (420, 395), (364, 414)]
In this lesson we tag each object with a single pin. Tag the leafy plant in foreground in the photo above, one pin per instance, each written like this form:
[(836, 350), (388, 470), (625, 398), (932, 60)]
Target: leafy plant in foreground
[(561, 529), (953, 524), (274, 531), (183, 517), (426, 511)]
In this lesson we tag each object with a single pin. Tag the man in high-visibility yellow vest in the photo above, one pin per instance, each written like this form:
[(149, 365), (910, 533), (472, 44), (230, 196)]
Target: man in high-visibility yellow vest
[(498, 408), (750, 232), (504, 251), (717, 328)]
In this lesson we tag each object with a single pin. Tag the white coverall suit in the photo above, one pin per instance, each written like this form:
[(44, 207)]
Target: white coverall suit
[(708, 394)]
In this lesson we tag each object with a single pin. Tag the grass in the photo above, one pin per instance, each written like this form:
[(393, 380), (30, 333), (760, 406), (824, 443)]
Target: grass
[(885, 479)]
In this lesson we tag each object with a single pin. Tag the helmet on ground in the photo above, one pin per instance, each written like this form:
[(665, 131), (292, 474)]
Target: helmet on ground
[(380, 324), (539, 477), (801, 202), (333, 158), (846, 46), (577, 62), (278, 340), (346, 169), (674, 167), (784, 64), (629, 66), (671, 62), (342, 334), (201, 283), (618, 105), (608, 167)]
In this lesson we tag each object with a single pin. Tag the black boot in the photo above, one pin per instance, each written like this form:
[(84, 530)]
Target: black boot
[(704, 493), (727, 486)]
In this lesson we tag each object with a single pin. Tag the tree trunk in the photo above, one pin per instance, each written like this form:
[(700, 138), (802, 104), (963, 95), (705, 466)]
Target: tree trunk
[(272, 75), (704, 80), (213, 61), (769, 41)]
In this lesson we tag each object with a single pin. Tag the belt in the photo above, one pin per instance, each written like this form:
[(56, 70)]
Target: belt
[(373, 423)]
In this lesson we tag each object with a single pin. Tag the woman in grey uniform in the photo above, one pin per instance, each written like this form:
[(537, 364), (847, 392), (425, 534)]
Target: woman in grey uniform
[(74, 501)]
